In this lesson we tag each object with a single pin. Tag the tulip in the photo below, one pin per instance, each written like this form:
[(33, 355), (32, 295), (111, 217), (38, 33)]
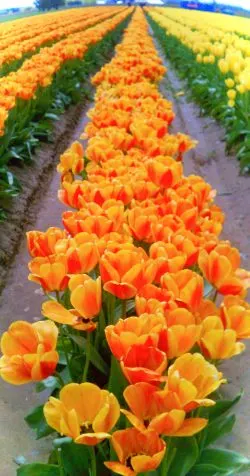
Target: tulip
[(219, 343), (43, 244), (86, 299), (190, 380), (50, 273), (28, 352), (219, 268), (149, 407), (83, 412), (186, 287), (137, 452), (235, 314), (125, 272), (144, 329), (72, 159), (143, 363)]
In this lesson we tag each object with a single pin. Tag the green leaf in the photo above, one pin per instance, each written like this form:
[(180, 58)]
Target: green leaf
[(38, 469), (219, 427), (220, 461), (75, 459), (36, 420), (117, 381), (222, 406), (187, 453), (95, 357)]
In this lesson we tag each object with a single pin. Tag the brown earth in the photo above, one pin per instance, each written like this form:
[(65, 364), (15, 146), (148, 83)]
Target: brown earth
[(22, 300)]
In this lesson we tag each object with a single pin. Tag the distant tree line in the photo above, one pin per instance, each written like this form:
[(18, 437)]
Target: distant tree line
[(49, 4)]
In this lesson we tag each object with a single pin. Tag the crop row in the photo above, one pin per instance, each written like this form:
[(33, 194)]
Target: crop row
[(41, 90), (134, 329), (216, 64)]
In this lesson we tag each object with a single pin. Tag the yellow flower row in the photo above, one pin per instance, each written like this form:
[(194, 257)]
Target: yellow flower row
[(16, 45), (39, 70), (211, 44)]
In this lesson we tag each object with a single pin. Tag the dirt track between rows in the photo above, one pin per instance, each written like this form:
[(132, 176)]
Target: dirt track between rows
[(21, 299)]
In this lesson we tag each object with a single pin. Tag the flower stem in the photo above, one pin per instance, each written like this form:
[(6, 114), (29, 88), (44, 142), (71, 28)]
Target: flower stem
[(60, 379), (87, 361), (65, 350), (124, 309), (60, 463), (93, 461), (215, 296)]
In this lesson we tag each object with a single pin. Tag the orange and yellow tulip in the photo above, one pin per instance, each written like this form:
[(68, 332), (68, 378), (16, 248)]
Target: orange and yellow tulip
[(144, 329), (28, 352), (51, 273), (143, 363), (126, 272), (149, 406), (219, 343), (235, 314), (137, 451), (43, 244), (219, 268), (83, 412), (86, 297)]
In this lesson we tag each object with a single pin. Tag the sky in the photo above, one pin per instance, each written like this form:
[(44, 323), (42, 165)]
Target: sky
[(27, 3)]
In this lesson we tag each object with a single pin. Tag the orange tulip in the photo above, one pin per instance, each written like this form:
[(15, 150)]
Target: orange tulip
[(137, 451), (82, 259), (43, 244), (235, 314), (72, 159), (178, 339), (28, 352), (190, 380), (83, 412), (50, 273), (143, 364), (125, 272), (149, 410), (144, 329), (95, 219), (164, 171), (186, 287), (167, 257), (219, 343), (86, 297), (219, 268)]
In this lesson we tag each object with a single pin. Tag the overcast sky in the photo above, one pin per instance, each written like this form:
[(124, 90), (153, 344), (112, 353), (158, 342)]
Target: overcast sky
[(26, 3)]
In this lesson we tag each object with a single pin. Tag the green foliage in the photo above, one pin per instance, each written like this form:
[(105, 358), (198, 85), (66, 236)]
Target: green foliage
[(206, 86), (35, 419), (31, 122), (38, 469)]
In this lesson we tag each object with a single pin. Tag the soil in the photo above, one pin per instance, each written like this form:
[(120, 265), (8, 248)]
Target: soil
[(34, 179), (22, 300)]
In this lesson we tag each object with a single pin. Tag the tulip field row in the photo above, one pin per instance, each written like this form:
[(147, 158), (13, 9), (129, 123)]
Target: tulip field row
[(45, 84), (142, 298), (212, 52)]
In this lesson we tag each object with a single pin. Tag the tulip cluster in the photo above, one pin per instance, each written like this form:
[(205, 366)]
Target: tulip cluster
[(40, 69), (138, 272), (207, 38), (52, 29)]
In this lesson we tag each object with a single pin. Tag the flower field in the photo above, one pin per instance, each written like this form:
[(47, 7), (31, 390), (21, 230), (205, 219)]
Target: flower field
[(213, 53), (143, 297), (44, 85)]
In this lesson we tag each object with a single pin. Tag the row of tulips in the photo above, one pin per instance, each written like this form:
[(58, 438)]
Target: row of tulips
[(216, 64), (46, 84), (131, 294), (58, 27)]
